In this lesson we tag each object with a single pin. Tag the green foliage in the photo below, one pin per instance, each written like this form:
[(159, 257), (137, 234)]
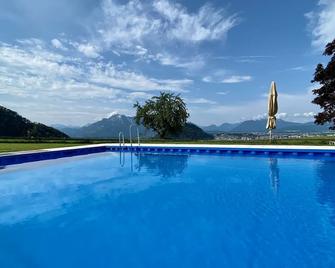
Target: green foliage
[(325, 95), (166, 114), (191, 132)]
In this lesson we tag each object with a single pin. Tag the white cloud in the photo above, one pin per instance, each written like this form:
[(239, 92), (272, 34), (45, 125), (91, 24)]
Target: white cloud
[(199, 101), (236, 79), (281, 115), (108, 74), (38, 64), (259, 116), (251, 59), (35, 60), (305, 114), (34, 42), (208, 24), (222, 76), (58, 44), (139, 95), (322, 23), (135, 21), (309, 114), (167, 59), (298, 68), (173, 84), (244, 59), (33, 70), (133, 27), (292, 107), (80, 90), (126, 25), (207, 79), (88, 50), (222, 93), (141, 50), (112, 114)]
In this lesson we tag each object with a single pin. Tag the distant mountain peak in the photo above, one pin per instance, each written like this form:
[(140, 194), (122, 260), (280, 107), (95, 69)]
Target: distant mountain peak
[(116, 116), (114, 113), (108, 128)]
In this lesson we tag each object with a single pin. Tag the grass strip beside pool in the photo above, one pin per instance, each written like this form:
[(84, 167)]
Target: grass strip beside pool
[(15, 147)]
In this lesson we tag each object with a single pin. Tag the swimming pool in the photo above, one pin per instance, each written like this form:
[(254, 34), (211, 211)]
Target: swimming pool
[(169, 209)]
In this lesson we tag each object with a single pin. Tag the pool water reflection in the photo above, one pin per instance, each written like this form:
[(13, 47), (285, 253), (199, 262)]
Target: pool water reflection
[(172, 210)]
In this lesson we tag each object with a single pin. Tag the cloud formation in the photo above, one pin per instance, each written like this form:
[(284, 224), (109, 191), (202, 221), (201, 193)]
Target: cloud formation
[(41, 71), (33, 62), (223, 76), (146, 30), (292, 107), (135, 21), (322, 23), (104, 55), (58, 44)]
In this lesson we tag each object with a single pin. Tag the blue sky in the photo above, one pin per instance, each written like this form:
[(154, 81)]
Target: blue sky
[(74, 62)]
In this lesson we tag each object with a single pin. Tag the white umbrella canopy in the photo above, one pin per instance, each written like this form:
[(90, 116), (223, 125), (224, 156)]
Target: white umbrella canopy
[(272, 108)]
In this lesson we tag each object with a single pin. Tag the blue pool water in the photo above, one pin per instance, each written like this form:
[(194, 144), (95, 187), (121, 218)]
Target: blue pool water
[(150, 210)]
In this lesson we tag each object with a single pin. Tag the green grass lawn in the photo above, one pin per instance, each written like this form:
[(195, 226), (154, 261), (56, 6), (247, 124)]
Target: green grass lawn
[(13, 145), (317, 141)]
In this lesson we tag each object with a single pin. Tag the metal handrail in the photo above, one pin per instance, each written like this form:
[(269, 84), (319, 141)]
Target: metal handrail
[(121, 136), (130, 135), (138, 136), (130, 138)]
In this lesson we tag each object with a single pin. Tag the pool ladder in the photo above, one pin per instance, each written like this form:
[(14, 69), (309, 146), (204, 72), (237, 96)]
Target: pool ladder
[(121, 144), (121, 139), (130, 135)]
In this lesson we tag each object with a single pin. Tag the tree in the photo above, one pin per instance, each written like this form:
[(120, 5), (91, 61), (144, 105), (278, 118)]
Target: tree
[(166, 114), (325, 95)]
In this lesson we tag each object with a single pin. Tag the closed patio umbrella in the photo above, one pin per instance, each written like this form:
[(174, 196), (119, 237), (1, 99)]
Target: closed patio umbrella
[(272, 108)]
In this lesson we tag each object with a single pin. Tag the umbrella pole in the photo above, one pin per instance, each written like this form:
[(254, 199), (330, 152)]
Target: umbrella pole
[(270, 134)]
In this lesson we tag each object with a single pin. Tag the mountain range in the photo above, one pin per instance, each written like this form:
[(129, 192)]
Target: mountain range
[(259, 126), (112, 126), (225, 127), (107, 128), (14, 125)]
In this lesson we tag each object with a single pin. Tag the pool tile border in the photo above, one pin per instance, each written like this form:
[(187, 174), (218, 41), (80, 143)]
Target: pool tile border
[(256, 150), (40, 155), (275, 151)]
